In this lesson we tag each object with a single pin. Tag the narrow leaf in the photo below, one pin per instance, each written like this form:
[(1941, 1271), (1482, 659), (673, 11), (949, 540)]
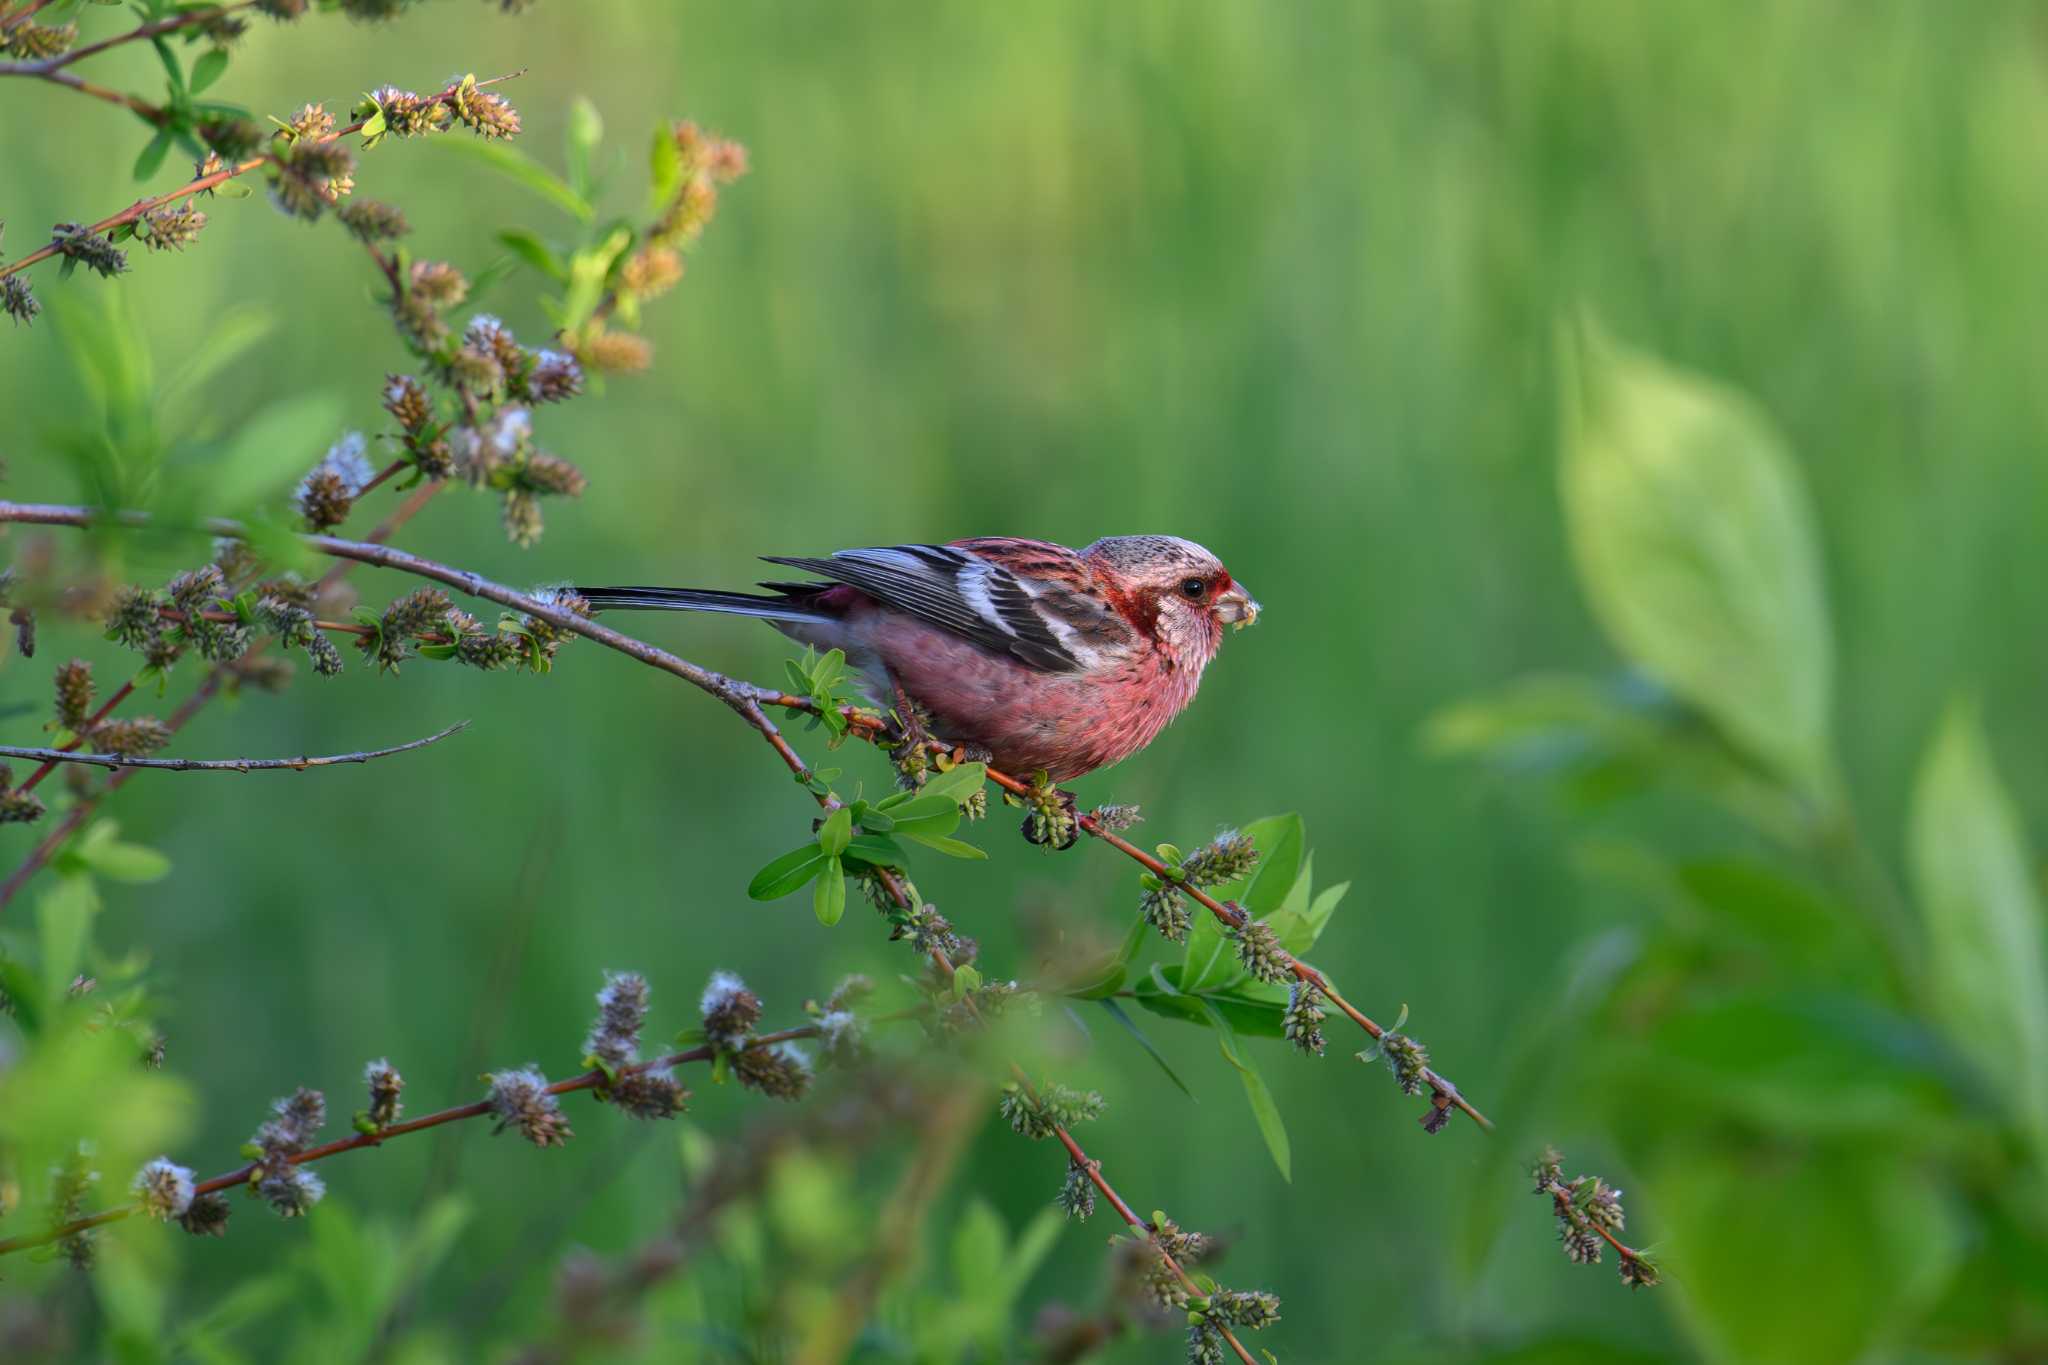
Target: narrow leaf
[(522, 170), (787, 873), (1131, 1027), (1264, 1111)]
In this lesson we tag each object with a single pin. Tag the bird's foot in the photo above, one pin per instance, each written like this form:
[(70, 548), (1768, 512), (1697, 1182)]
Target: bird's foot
[(1049, 817)]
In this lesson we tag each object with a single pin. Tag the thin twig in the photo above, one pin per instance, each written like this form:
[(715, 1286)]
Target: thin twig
[(206, 182), (1093, 1170), (40, 856), (153, 29), (226, 765), (587, 1081), (150, 113)]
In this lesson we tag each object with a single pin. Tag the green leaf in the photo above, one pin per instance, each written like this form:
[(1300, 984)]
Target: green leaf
[(522, 170), (1108, 973), (788, 873), (952, 848), (1131, 1027), (1973, 873), (828, 898), (1752, 1295), (1279, 865), (837, 832), (664, 170), (64, 915), (121, 862), (588, 270), (230, 335), (1211, 962), (209, 68), (874, 850), (530, 248), (268, 451), (922, 809), (174, 72), (151, 159), (1253, 1008), (1694, 539), (957, 783), (1271, 1128), (585, 131)]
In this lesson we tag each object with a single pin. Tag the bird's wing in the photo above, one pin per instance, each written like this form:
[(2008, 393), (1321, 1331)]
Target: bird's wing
[(972, 589)]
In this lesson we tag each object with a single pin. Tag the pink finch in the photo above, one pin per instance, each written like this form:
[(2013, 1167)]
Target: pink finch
[(1048, 658)]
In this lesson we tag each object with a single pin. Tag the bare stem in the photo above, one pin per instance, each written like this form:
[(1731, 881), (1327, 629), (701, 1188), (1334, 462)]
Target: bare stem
[(226, 765)]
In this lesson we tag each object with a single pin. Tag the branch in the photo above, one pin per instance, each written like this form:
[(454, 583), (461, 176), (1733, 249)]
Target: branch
[(40, 856), (226, 765), (156, 28), (589, 1080), (206, 182)]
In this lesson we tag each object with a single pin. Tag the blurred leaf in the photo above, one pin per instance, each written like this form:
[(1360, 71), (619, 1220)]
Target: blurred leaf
[(788, 873), (980, 1242), (150, 159), (664, 170), (1798, 1062), (1694, 539), (1131, 1027), (210, 67), (64, 915), (522, 170), (1757, 1292), (1108, 973), (530, 248), (270, 451), (1271, 1127), (588, 270), (585, 131), (1973, 873), (230, 335), (97, 850)]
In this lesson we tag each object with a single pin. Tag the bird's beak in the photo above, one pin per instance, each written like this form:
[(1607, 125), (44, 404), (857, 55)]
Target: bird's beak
[(1236, 608)]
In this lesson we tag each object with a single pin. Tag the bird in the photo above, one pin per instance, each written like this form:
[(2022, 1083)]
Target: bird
[(1044, 658)]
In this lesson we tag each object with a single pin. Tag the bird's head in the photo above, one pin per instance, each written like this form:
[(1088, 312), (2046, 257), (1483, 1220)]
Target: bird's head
[(1174, 590)]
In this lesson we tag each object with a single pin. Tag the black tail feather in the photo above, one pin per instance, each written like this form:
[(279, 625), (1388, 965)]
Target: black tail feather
[(699, 599)]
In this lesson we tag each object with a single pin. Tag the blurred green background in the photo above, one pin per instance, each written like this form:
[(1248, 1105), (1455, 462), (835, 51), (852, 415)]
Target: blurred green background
[(1282, 279)]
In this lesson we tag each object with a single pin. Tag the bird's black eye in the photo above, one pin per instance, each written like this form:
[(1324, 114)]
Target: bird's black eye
[(1194, 589)]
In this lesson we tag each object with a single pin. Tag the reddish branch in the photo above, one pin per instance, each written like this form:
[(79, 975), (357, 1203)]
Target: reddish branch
[(220, 177), (153, 29), (240, 1175)]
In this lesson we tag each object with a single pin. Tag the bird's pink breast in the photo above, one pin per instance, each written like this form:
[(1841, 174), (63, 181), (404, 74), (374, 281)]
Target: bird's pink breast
[(1064, 723)]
